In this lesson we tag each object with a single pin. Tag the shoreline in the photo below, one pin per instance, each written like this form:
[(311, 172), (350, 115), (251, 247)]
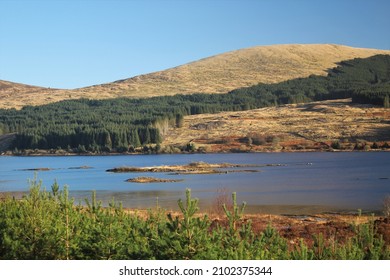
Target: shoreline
[(67, 154), (251, 210), (196, 162), (295, 228)]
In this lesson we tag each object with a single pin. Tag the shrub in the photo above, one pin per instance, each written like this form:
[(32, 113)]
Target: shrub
[(48, 225), (386, 206), (222, 197), (336, 145)]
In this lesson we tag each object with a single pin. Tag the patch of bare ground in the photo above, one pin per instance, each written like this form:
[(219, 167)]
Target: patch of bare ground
[(217, 74), (325, 125)]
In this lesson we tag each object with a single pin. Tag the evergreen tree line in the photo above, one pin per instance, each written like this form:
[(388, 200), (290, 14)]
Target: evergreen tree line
[(48, 225), (122, 123)]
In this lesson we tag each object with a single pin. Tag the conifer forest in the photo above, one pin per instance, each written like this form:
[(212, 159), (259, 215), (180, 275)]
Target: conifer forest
[(123, 124)]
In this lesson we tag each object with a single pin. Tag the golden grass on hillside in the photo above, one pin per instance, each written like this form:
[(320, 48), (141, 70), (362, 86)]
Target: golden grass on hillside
[(216, 74), (297, 126)]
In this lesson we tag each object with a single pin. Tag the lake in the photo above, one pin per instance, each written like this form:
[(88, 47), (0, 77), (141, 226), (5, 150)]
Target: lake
[(304, 183)]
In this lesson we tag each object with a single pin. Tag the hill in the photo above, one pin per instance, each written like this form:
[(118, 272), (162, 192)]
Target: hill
[(338, 124), (10, 93), (216, 74), (125, 124)]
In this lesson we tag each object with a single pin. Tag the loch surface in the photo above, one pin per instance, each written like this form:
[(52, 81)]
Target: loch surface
[(295, 183)]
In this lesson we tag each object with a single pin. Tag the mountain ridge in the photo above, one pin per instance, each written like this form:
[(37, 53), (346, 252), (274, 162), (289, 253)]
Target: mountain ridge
[(215, 74)]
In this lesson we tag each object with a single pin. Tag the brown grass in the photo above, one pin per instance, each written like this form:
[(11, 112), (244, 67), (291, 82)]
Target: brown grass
[(311, 126), (216, 74)]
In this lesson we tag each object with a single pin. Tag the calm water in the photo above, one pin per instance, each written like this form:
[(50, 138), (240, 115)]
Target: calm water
[(305, 183)]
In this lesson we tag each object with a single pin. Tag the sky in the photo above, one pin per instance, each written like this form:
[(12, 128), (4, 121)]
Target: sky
[(77, 43)]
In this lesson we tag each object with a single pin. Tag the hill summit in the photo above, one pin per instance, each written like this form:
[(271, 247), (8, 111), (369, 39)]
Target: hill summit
[(217, 74)]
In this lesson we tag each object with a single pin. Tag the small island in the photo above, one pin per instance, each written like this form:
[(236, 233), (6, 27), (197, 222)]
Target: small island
[(80, 167), (37, 169), (191, 168), (152, 180)]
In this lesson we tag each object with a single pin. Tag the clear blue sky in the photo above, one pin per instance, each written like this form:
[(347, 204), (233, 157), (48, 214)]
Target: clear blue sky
[(76, 43)]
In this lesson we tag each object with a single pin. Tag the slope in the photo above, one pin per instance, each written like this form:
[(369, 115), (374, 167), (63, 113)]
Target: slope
[(333, 123), (216, 74)]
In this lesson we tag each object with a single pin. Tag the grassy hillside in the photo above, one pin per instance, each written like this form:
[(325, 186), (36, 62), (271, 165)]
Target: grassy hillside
[(123, 124), (337, 124), (216, 74), (15, 95)]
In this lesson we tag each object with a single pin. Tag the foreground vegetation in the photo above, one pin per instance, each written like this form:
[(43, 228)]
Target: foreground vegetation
[(48, 225), (122, 125)]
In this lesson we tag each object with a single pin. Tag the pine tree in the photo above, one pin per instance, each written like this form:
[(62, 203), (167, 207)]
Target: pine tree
[(386, 102), (179, 120), (107, 141)]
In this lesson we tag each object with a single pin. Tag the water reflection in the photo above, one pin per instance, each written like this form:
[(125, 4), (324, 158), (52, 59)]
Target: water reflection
[(330, 182)]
